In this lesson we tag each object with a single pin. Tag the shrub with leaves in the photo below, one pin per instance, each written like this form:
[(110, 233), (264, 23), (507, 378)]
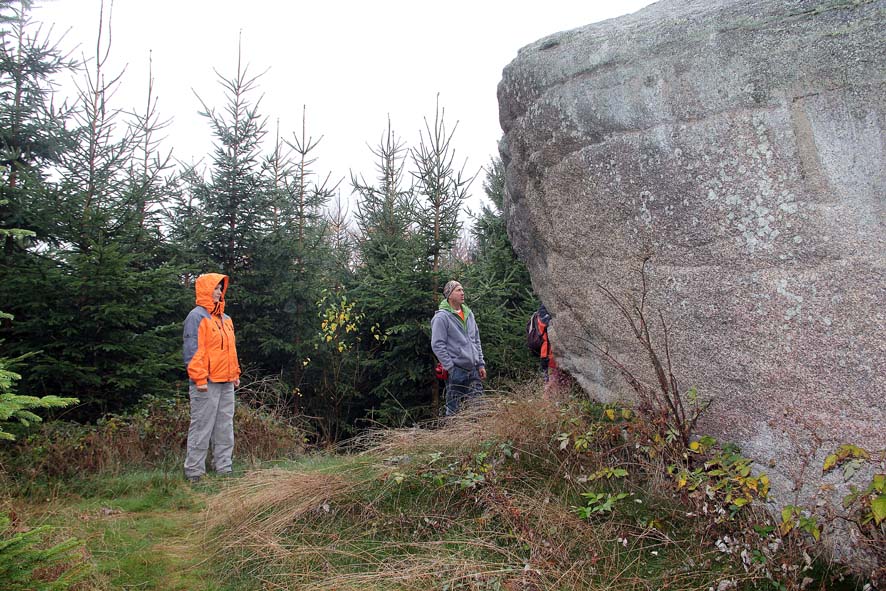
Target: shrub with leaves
[(719, 479), (599, 503), (865, 505), (150, 436), (339, 362), (672, 412)]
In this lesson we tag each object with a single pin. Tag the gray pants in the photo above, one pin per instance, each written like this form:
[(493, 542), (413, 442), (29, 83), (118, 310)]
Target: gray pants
[(212, 420)]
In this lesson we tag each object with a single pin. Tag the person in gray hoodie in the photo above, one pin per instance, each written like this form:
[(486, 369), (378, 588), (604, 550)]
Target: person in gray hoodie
[(455, 341)]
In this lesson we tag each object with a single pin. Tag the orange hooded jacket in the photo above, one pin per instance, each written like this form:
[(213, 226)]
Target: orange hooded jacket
[(209, 349), (547, 352)]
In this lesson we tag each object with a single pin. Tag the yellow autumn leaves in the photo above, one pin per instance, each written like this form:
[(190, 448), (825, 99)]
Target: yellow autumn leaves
[(338, 319), (340, 322)]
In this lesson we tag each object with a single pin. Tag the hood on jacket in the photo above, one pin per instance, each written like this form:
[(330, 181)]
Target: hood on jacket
[(447, 307), (204, 287)]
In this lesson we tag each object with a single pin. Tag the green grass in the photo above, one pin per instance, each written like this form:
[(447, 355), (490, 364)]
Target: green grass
[(144, 529), (392, 519), (140, 530), (486, 504)]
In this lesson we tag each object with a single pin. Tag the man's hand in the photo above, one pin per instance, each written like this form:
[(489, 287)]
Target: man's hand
[(203, 388), (482, 372), (237, 383)]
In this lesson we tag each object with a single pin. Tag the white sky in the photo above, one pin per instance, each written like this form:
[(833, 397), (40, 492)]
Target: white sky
[(351, 63)]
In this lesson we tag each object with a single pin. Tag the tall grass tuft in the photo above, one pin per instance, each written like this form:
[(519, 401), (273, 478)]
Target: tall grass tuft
[(484, 500)]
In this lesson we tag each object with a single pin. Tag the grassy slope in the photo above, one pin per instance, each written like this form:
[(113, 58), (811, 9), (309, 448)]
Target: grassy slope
[(138, 529), (485, 502)]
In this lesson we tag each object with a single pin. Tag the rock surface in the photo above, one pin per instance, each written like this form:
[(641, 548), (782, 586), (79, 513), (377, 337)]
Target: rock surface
[(743, 144)]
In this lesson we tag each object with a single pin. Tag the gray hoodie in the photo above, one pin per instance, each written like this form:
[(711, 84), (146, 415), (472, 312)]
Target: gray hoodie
[(455, 342)]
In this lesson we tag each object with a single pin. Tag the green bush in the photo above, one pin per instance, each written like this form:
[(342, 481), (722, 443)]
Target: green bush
[(152, 435)]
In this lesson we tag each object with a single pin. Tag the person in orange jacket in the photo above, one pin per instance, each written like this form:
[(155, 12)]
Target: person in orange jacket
[(552, 376), (210, 355)]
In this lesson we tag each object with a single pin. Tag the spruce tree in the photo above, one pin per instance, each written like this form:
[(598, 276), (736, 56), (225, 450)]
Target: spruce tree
[(235, 202), (502, 293), (390, 284), (441, 190), (32, 132), (234, 205), (98, 309), (384, 211), (405, 237), (290, 263)]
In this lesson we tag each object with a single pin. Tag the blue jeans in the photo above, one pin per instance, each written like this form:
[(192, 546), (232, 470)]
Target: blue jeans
[(461, 386)]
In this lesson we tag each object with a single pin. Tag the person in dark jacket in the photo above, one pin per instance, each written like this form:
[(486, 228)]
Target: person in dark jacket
[(210, 355), (455, 340)]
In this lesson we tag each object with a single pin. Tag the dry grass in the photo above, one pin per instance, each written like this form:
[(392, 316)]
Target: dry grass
[(354, 528), (256, 510), (153, 437), (523, 417), (394, 515), (418, 566)]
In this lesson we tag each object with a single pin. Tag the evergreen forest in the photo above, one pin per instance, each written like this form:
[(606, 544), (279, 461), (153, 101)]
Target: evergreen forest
[(104, 232)]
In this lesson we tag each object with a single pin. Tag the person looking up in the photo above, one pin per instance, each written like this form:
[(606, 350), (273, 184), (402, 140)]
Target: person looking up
[(455, 341)]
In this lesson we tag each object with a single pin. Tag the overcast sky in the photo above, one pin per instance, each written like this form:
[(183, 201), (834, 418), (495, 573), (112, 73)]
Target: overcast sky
[(350, 63)]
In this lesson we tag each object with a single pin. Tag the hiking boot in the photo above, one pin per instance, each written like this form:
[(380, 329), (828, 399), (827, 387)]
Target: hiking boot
[(193, 479)]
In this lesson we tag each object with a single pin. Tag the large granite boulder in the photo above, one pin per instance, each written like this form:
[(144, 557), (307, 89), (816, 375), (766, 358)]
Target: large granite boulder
[(742, 143)]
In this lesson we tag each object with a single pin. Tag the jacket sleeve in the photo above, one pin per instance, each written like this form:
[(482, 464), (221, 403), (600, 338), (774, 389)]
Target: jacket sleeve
[(198, 366), (475, 340), (438, 341), (189, 337), (236, 356)]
